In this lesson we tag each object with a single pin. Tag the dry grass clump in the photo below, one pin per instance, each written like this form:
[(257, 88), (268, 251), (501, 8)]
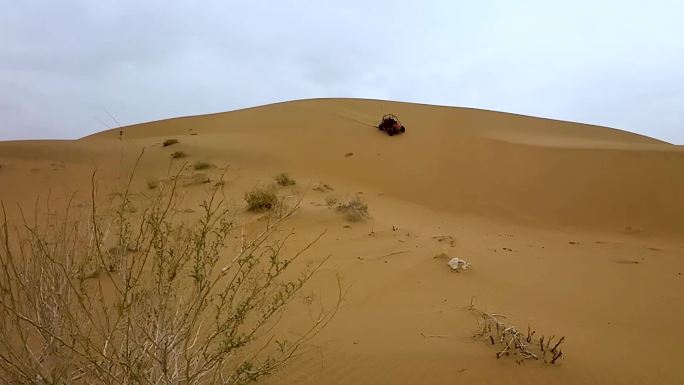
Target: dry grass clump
[(261, 199), (354, 209), (202, 165), (169, 142), (284, 179), (513, 342), (178, 154), (152, 184)]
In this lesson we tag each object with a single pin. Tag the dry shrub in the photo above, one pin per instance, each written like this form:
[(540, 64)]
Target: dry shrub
[(354, 209), (284, 179), (178, 154), (511, 341), (169, 142), (261, 198), (121, 298)]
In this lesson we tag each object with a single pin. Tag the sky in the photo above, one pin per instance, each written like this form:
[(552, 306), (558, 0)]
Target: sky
[(70, 68)]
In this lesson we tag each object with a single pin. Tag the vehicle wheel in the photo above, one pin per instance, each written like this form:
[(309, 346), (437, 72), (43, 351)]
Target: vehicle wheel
[(390, 132), (402, 129)]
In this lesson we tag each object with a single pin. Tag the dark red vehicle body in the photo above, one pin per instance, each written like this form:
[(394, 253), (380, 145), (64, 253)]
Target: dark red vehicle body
[(391, 124)]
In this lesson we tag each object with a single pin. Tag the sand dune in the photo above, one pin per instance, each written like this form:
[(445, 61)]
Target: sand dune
[(460, 161), (575, 229)]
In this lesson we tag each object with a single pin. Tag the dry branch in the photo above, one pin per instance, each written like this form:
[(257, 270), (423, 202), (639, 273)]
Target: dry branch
[(138, 297), (513, 341)]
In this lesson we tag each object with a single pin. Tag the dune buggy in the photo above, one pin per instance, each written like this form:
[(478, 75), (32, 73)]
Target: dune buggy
[(391, 124)]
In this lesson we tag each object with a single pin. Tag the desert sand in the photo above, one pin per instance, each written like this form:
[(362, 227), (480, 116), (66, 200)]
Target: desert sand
[(576, 230)]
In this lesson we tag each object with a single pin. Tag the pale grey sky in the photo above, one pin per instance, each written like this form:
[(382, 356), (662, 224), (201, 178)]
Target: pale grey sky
[(63, 63)]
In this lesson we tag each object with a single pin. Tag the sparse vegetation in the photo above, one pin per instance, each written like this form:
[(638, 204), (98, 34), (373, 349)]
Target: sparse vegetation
[(261, 199), (284, 179), (169, 142), (178, 154), (513, 342), (354, 209), (120, 298), (202, 165)]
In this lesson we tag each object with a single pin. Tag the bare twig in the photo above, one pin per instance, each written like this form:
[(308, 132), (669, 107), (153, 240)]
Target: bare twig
[(140, 297), (511, 340)]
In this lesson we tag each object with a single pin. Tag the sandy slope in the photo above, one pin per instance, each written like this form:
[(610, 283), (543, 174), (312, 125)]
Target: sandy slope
[(553, 215)]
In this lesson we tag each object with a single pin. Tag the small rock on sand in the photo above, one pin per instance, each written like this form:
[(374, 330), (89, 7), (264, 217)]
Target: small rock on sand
[(458, 264)]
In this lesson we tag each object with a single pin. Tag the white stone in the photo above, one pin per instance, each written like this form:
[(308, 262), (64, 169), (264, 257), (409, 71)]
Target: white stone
[(458, 264)]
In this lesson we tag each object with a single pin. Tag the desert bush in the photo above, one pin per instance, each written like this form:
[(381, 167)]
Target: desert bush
[(261, 198), (202, 165), (178, 154), (116, 298), (354, 209), (169, 142), (284, 179)]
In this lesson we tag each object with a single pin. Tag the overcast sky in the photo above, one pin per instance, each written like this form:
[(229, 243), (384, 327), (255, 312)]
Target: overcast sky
[(65, 64)]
